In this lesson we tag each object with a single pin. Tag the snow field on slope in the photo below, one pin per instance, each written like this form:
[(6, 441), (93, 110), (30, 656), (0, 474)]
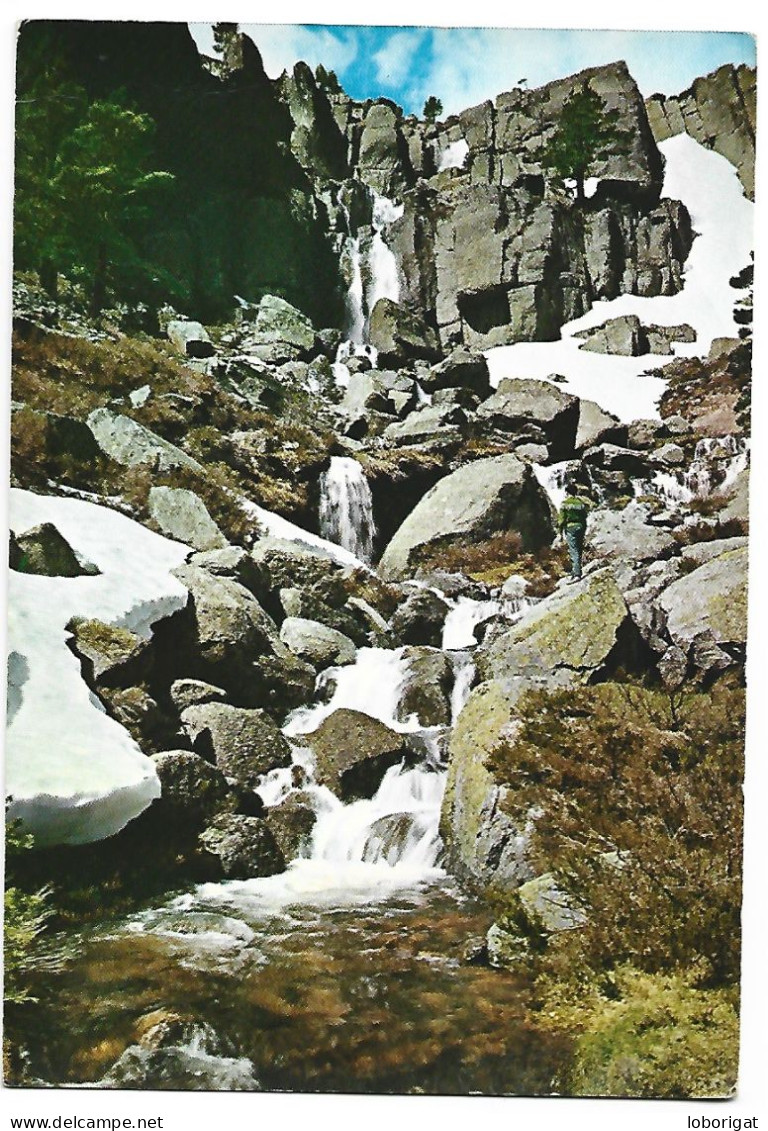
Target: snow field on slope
[(76, 775), (722, 217)]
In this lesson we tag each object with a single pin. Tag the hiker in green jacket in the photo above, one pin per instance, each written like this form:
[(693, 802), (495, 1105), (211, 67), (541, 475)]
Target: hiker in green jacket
[(572, 523)]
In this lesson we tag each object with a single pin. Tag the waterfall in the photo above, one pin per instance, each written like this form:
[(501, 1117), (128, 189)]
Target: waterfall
[(379, 266), (398, 825), (382, 265), (716, 463), (464, 673), (373, 685), (346, 508), (395, 830), (354, 323), (463, 618)]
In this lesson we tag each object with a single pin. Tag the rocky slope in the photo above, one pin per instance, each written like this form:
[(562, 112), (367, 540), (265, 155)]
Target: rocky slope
[(319, 493)]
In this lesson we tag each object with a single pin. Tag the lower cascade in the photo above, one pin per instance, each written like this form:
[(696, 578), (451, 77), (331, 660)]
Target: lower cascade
[(346, 507)]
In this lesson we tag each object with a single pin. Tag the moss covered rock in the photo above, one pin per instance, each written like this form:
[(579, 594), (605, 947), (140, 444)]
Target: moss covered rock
[(483, 846), (581, 630)]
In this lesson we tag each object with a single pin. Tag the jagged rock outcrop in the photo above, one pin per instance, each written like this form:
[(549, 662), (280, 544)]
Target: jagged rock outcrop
[(316, 140), (719, 110), (471, 505), (494, 258)]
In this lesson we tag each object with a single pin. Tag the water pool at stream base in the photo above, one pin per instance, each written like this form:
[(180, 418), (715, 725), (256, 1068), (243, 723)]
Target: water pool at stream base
[(233, 988)]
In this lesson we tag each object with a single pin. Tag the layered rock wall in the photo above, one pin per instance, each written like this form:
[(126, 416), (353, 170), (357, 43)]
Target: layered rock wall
[(718, 110)]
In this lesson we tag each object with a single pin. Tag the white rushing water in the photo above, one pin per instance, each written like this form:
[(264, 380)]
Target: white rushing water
[(382, 265), (372, 845), (376, 264), (716, 463), (722, 217), (346, 507)]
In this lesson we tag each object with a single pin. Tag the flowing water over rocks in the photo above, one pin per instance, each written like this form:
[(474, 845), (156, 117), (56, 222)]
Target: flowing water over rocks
[(264, 985), (346, 507)]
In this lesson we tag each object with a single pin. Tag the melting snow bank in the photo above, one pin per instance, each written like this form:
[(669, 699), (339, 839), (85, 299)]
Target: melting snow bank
[(723, 218), (74, 774), (281, 528)]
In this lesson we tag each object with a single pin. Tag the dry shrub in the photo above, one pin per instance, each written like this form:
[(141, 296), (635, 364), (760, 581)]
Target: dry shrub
[(640, 803), (495, 559)]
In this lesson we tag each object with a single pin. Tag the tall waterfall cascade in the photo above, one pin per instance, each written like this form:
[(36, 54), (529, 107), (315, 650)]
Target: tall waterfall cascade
[(373, 274), (346, 508)]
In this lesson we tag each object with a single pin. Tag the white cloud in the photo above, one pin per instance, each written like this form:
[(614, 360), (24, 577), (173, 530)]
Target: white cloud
[(395, 61), (470, 65), (281, 46)]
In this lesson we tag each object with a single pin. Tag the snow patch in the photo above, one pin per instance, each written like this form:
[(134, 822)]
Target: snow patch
[(75, 775), (454, 156), (722, 217)]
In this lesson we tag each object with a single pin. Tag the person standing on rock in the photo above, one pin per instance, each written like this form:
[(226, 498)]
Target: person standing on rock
[(572, 523)]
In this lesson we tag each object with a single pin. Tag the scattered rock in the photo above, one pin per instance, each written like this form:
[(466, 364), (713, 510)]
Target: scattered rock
[(194, 693), (316, 642), (183, 515), (353, 752), (627, 536), (712, 599), (242, 847), (623, 336), (578, 632), (461, 369), (44, 551), (598, 427), (193, 791), (520, 404), (399, 335), (243, 743), (110, 656), (420, 619), (427, 689), (484, 849), (131, 444), (190, 338), (291, 823), (472, 504), (541, 910)]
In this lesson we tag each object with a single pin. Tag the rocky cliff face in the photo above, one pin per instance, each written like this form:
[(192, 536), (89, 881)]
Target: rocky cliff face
[(487, 253), (718, 110)]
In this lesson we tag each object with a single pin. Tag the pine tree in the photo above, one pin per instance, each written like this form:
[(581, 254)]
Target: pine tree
[(433, 108), (584, 132), (105, 187), (228, 43)]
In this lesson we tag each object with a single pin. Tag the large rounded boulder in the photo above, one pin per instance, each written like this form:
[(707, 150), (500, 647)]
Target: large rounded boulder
[(481, 499)]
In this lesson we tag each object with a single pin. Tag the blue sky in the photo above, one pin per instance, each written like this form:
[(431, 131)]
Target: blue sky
[(463, 66)]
